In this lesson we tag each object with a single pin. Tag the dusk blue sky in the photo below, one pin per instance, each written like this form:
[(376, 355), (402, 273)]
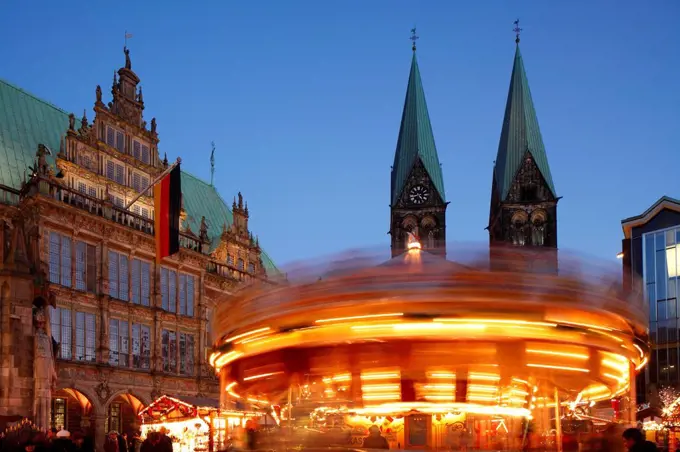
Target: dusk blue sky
[(303, 100)]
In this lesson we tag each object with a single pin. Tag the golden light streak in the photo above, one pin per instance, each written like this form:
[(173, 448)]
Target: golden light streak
[(482, 388), (378, 396), (642, 354), (439, 387), (380, 387), (497, 321), (379, 375), (360, 317), (443, 408), (442, 375), (248, 333), (642, 364), (225, 359), (255, 377), (440, 397), (484, 377), (482, 398), (567, 368), (584, 325), (557, 353)]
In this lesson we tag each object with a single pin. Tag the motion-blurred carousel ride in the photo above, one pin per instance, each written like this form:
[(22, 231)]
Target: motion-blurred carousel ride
[(436, 354)]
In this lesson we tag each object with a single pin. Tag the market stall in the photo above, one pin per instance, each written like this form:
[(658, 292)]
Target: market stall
[(194, 424)]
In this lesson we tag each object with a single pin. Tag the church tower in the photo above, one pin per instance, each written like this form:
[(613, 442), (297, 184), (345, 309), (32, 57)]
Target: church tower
[(523, 197), (417, 200)]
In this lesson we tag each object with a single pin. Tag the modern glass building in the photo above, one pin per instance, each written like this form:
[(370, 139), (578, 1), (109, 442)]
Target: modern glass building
[(651, 255)]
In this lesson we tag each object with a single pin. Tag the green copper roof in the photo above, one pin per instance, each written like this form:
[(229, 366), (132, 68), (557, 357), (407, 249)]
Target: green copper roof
[(520, 133), (26, 121), (416, 139), (201, 199)]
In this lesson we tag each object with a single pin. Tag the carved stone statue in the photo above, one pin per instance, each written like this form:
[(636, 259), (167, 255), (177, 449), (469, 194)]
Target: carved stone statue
[(72, 121), (128, 63), (153, 125), (240, 200), (44, 374), (99, 94), (203, 231), (140, 97)]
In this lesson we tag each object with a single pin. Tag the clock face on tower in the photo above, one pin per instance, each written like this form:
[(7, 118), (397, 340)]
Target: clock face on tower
[(419, 194)]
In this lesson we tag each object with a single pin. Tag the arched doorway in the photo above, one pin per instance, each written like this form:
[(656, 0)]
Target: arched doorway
[(72, 410), (122, 414)]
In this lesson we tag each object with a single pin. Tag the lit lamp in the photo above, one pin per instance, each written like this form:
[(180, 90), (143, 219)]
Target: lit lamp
[(412, 242)]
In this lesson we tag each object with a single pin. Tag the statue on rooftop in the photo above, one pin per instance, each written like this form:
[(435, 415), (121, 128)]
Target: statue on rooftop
[(98, 91), (153, 125), (72, 122), (203, 231), (128, 63)]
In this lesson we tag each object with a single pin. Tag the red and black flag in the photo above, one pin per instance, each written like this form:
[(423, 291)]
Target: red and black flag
[(167, 196)]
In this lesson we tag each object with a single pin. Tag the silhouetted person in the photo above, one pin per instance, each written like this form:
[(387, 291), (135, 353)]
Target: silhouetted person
[(635, 442), (375, 440), (155, 442)]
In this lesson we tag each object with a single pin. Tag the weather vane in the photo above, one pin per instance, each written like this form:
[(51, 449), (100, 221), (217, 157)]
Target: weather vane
[(413, 38), (517, 30)]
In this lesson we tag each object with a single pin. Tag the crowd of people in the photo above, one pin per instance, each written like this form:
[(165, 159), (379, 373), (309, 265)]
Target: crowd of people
[(64, 441)]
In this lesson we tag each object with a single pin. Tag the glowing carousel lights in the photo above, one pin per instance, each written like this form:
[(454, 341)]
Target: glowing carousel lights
[(422, 334)]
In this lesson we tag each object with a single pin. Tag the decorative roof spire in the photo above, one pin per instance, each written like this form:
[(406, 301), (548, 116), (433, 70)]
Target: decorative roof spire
[(520, 133), (517, 31), (413, 38), (416, 140)]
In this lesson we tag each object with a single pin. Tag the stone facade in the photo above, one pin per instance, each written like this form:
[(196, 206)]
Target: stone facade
[(126, 329)]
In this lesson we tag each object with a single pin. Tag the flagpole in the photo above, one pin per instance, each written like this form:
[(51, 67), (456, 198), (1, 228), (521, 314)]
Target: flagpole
[(153, 184)]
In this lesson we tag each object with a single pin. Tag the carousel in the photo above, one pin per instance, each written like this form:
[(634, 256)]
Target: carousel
[(430, 353)]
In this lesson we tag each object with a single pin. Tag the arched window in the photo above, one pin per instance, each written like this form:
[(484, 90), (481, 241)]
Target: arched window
[(518, 225), (538, 220)]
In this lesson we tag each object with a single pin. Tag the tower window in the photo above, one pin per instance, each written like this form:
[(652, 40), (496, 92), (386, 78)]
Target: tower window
[(529, 193)]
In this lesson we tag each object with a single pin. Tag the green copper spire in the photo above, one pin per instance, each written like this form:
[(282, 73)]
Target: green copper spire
[(520, 133), (416, 140)]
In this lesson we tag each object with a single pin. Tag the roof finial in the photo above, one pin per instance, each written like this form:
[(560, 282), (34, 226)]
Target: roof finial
[(517, 31), (413, 38), (212, 163)]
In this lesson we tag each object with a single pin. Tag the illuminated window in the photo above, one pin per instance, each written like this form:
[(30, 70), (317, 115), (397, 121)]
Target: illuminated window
[(119, 344), (169, 350), (86, 267), (141, 346), (168, 290), (118, 276), (186, 354), (60, 259), (60, 320), (113, 418), (141, 277), (85, 337), (186, 294), (58, 413)]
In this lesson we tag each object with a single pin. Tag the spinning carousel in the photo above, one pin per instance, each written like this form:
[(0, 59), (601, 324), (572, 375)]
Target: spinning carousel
[(431, 351)]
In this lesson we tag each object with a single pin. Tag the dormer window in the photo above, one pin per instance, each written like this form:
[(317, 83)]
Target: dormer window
[(115, 138), (141, 152)]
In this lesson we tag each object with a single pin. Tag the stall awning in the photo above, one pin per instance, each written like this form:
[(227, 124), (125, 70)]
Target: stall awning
[(176, 407)]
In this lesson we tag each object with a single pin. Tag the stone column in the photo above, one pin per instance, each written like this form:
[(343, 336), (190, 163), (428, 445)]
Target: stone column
[(99, 432)]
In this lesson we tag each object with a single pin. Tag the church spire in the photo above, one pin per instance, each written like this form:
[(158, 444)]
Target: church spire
[(520, 133), (416, 140), (417, 202)]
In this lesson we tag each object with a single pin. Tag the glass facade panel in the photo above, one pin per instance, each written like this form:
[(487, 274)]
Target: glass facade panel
[(661, 267)]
